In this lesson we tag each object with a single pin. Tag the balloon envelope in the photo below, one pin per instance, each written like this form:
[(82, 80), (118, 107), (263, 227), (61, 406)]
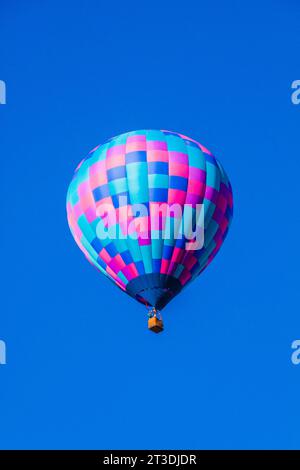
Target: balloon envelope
[(114, 196)]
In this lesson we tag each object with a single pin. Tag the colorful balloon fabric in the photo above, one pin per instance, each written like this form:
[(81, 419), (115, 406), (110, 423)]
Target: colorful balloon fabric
[(148, 167)]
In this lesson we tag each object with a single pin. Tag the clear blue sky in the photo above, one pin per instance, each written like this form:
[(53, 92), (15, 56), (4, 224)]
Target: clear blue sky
[(83, 371)]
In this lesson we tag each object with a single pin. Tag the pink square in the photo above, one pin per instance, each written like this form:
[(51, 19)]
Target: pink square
[(117, 263), (176, 196), (136, 138), (120, 260), (156, 145), (130, 271), (178, 157), (136, 146), (98, 174), (223, 225), (222, 203), (194, 199), (144, 238), (197, 174), (190, 261), (83, 189), (115, 150), (77, 210), (196, 187), (211, 194), (164, 266), (90, 214), (115, 160), (184, 277), (105, 256), (177, 254), (157, 156), (86, 201), (178, 169)]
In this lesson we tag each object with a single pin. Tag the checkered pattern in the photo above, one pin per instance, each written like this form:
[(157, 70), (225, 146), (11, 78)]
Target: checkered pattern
[(148, 167)]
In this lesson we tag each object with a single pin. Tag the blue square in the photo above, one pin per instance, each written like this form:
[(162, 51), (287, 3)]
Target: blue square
[(161, 168), (101, 192), (228, 213), (117, 172), (127, 258), (111, 250), (136, 157), (178, 182), (156, 264), (140, 267), (97, 245), (158, 195), (180, 242), (167, 251)]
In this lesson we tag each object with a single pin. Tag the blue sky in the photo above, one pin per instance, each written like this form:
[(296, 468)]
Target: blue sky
[(82, 370)]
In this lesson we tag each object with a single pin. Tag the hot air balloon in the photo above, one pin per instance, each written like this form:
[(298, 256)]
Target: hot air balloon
[(120, 211)]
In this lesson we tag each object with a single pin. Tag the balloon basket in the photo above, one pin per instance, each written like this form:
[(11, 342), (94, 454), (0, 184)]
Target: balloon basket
[(155, 324)]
